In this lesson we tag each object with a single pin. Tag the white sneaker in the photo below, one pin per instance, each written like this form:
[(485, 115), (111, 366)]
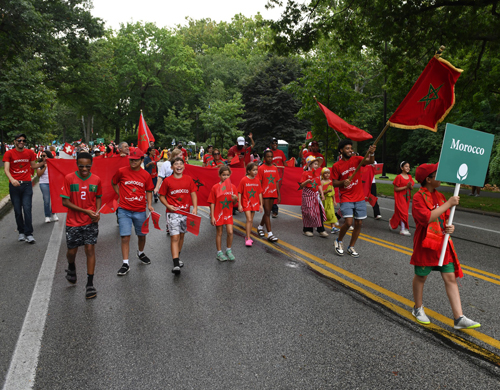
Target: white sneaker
[(419, 314), (405, 232), (55, 218), (21, 237), (47, 220), (339, 248), (308, 234), (352, 251), (351, 227), (323, 234), (378, 217), (466, 323)]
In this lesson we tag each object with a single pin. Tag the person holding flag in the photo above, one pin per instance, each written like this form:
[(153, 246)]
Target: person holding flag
[(222, 198), (431, 210), (313, 213), (178, 193), (241, 151), (134, 186), (81, 194), (352, 196)]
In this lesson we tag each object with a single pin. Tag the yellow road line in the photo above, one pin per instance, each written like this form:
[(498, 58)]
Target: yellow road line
[(397, 309), (409, 252)]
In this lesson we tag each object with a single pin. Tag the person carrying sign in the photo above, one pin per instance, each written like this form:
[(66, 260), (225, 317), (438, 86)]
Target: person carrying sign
[(430, 210)]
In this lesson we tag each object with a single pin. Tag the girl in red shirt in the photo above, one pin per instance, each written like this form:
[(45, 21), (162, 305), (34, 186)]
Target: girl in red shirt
[(250, 198), (268, 176), (222, 197), (403, 184)]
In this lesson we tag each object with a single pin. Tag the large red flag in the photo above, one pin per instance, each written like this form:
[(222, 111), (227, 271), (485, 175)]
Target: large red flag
[(144, 135), (337, 123), (105, 168), (430, 99)]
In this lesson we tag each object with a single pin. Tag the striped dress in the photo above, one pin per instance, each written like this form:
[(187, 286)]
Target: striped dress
[(313, 213)]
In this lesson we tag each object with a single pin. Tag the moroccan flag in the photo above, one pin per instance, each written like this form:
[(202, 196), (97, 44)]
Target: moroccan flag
[(226, 185), (379, 168), (145, 226), (156, 220), (193, 222), (109, 207), (337, 123), (235, 160), (309, 135), (68, 149), (291, 162), (430, 99), (144, 135), (371, 199)]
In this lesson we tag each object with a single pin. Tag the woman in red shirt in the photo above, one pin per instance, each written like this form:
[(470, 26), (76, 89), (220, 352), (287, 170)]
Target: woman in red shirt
[(269, 177)]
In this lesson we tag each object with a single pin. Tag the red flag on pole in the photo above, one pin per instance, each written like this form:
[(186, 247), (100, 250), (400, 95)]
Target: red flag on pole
[(156, 220), (144, 135), (193, 222), (145, 226), (430, 99), (291, 162), (309, 135), (337, 123), (109, 207)]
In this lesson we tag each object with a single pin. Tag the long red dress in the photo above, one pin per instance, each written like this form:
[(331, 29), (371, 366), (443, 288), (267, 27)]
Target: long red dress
[(402, 202)]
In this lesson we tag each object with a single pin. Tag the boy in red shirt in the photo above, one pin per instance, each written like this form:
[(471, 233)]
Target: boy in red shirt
[(352, 197), (135, 187), (18, 163), (81, 194), (430, 210), (178, 192)]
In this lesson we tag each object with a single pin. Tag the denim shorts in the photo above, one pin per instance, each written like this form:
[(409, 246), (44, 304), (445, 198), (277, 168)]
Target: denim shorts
[(353, 209), (127, 217)]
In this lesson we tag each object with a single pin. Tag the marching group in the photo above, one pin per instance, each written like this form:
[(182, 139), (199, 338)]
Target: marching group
[(259, 190)]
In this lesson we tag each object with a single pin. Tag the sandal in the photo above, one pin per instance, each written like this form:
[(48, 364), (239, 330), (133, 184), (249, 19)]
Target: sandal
[(272, 238), (260, 232), (71, 275), (91, 292)]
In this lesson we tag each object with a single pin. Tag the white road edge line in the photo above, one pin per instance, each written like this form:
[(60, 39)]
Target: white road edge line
[(22, 369), (460, 224)]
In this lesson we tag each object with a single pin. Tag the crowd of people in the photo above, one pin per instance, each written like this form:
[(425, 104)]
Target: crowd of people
[(140, 183)]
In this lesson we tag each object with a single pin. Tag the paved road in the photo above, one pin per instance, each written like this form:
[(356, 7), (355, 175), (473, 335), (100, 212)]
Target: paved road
[(286, 316)]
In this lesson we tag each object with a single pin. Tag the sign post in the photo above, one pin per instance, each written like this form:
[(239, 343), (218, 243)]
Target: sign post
[(464, 159)]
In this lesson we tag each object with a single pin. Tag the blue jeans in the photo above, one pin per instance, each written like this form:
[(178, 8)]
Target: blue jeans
[(21, 198), (44, 187)]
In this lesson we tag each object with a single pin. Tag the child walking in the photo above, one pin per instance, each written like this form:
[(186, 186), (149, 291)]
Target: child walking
[(221, 199), (430, 211), (178, 192), (268, 176), (250, 198), (313, 212), (329, 202), (403, 184)]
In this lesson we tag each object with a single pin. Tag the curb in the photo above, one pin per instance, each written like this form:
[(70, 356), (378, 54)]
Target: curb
[(5, 206)]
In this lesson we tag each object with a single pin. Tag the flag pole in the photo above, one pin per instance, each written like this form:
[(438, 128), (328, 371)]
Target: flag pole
[(450, 222)]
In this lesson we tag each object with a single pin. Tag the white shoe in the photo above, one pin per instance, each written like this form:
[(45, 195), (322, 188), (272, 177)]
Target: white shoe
[(378, 217), (405, 232), (466, 323), (308, 234), (419, 314), (47, 220), (351, 227), (55, 218)]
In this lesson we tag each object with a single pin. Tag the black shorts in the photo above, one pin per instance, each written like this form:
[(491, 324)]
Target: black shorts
[(81, 235)]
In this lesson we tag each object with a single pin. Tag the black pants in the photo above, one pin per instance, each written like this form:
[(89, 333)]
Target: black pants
[(376, 208)]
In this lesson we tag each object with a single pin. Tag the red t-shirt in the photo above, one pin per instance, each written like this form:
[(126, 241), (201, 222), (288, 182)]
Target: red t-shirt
[(82, 193), (421, 214), (20, 163), (313, 175), (279, 158), (307, 153), (133, 186), (250, 190), (223, 210), (268, 177), (207, 158), (178, 191), (342, 170), (243, 153)]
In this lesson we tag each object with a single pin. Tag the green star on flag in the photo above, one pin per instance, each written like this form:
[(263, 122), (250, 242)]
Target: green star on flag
[(251, 193), (225, 203), (431, 95)]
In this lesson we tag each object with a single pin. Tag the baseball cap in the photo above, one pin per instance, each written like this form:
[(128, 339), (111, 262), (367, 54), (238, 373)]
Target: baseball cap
[(274, 140), (240, 140), (424, 171), (136, 154)]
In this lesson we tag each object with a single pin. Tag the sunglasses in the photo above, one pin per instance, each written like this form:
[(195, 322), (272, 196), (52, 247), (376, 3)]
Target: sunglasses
[(21, 140), (44, 155), (85, 166), (216, 154)]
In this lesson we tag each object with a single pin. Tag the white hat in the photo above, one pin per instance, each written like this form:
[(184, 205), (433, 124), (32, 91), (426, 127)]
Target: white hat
[(310, 143), (240, 141)]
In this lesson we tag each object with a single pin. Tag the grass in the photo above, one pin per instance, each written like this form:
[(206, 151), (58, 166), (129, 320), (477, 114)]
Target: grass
[(468, 202), (4, 184)]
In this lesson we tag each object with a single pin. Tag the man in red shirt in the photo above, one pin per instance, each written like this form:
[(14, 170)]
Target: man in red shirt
[(352, 197), (135, 187), (178, 192), (279, 160), (314, 146), (18, 163), (82, 194), (240, 150)]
